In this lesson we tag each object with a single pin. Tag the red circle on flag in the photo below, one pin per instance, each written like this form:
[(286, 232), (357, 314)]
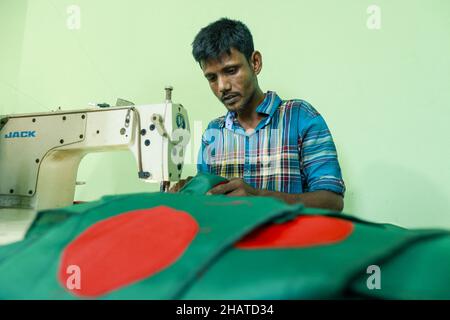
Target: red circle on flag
[(303, 231), (125, 249)]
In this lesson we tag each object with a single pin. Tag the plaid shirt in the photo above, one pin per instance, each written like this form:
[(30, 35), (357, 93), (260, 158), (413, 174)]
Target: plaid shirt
[(291, 150)]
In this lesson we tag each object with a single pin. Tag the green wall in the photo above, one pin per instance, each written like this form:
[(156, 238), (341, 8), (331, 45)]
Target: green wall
[(385, 93), (12, 27)]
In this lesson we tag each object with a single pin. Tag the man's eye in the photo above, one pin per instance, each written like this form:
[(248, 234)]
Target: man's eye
[(211, 78), (231, 71)]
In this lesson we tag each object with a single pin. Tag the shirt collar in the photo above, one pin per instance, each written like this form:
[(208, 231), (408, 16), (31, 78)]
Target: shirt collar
[(269, 105)]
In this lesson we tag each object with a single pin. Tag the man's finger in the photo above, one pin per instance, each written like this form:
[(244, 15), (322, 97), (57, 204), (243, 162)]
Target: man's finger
[(224, 188), (179, 185), (183, 183), (174, 188), (237, 193)]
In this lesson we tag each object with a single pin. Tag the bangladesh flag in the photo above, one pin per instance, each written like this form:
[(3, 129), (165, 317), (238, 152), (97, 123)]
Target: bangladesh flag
[(192, 246)]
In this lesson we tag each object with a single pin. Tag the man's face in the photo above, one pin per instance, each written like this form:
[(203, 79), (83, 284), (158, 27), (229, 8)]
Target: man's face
[(232, 79)]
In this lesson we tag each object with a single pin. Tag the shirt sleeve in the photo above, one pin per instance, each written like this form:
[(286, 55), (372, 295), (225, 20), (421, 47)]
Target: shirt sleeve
[(202, 166), (318, 154), (207, 150)]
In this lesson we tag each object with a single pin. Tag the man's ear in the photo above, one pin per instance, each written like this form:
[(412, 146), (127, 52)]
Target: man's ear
[(256, 62)]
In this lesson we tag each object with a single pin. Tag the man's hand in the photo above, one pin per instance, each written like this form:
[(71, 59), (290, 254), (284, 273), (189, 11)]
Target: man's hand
[(315, 199), (180, 184), (236, 187)]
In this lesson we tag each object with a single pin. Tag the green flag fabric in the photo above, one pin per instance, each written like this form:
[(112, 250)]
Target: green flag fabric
[(192, 246), (30, 269), (202, 183), (328, 271)]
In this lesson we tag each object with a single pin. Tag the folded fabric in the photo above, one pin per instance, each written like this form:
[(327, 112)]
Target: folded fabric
[(117, 245), (202, 183), (192, 246)]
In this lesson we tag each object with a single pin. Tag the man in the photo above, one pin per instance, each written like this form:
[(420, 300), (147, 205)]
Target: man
[(265, 146)]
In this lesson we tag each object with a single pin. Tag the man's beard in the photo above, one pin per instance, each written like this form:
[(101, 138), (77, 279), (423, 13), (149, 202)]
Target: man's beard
[(238, 108)]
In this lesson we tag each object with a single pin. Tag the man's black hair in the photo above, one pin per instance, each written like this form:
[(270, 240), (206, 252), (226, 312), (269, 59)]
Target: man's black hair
[(219, 37)]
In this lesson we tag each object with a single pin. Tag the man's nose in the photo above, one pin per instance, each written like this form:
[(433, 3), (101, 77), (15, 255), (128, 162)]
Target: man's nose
[(224, 85)]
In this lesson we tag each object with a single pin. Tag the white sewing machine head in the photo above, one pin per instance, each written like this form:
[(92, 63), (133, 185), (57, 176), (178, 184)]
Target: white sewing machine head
[(40, 153)]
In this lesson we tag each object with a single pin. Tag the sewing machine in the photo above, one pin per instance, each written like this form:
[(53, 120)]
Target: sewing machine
[(40, 153)]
